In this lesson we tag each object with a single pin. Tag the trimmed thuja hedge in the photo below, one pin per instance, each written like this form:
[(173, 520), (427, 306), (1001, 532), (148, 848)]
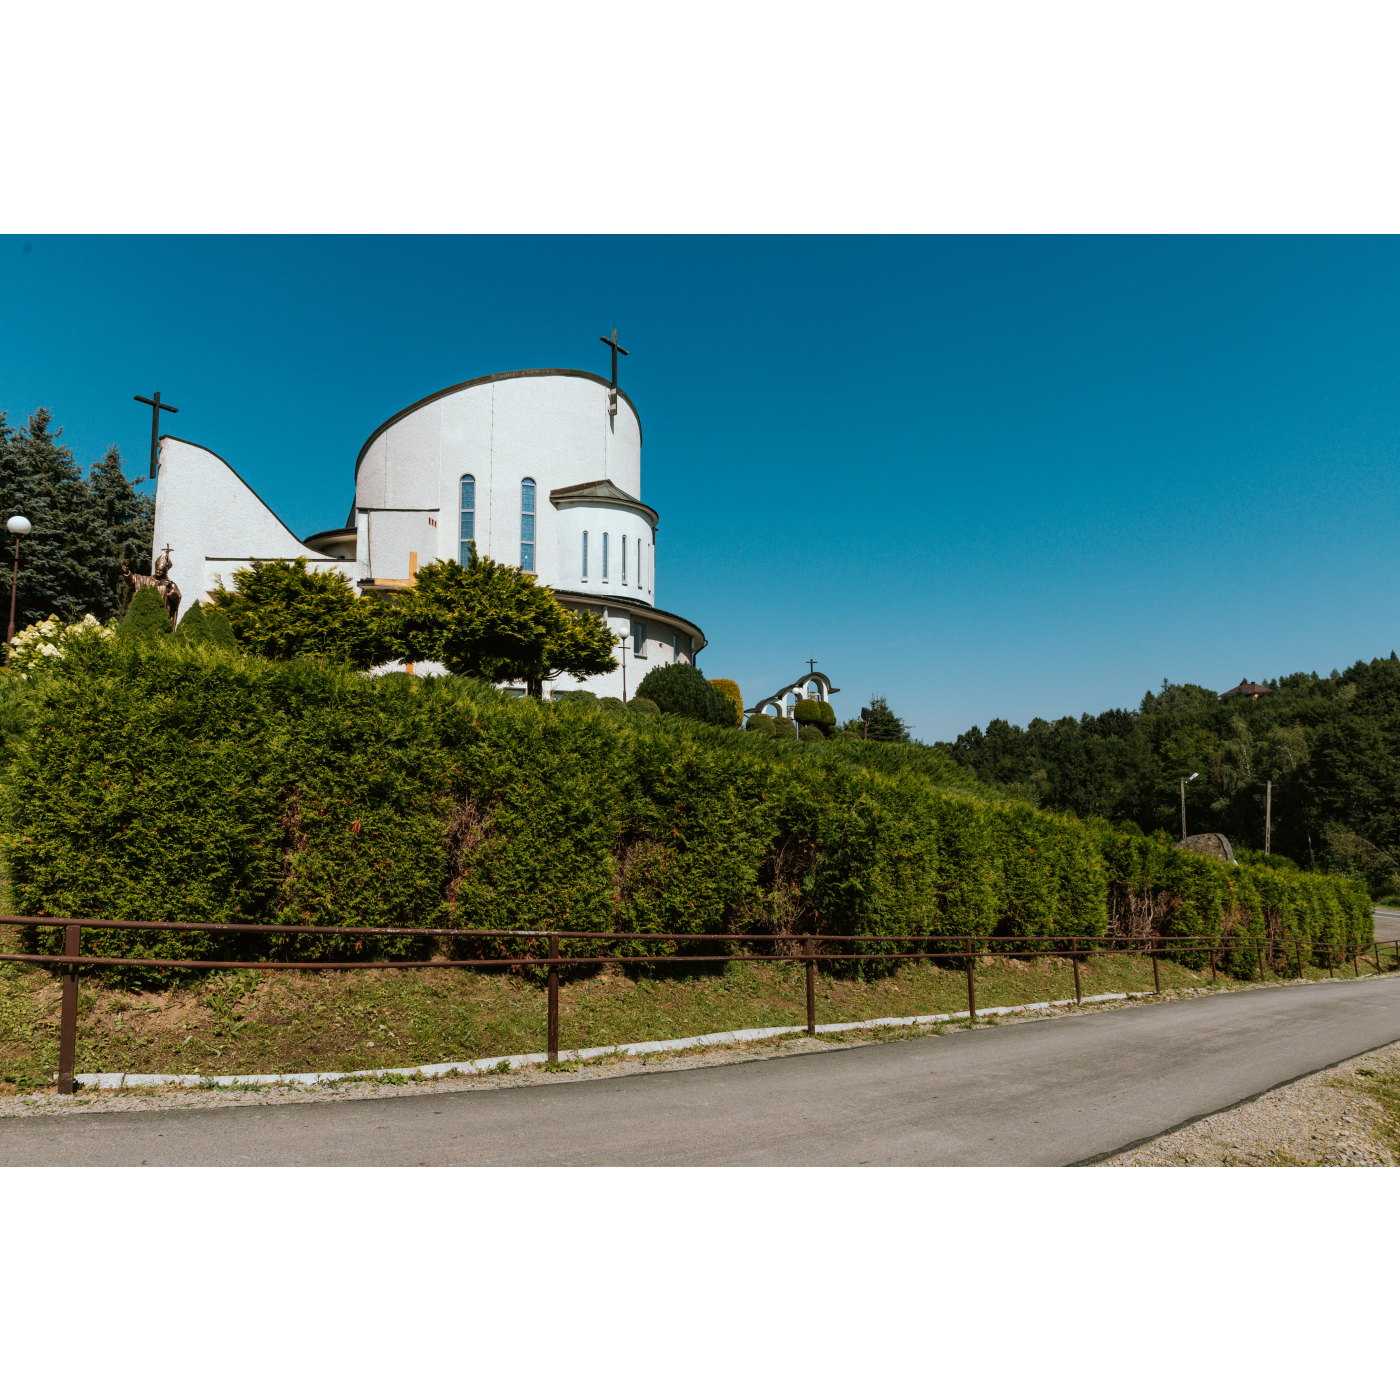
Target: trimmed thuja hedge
[(147, 780)]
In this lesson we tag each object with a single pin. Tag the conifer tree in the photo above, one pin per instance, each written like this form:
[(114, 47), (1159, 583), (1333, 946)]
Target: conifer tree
[(193, 628), (127, 519), (884, 725), (146, 618)]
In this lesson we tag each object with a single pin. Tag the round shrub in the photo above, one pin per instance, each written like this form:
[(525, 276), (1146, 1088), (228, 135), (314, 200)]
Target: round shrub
[(761, 724), (647, 707), (808, 712), (783, 728), (730, 690), (828, 716), (220, 633), (680, 689), (810, 734), (610, 702), (586, 698), (193, 629), (145, 617)]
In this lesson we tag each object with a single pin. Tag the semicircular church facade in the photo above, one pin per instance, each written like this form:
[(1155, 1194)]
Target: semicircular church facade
[(540, 469)]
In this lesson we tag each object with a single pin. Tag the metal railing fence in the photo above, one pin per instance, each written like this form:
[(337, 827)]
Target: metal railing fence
[(72, 960)]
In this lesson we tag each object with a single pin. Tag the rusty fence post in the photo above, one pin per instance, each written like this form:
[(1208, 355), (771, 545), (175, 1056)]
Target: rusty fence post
[(554, 999), (1156, 976), (1074, 958), (1298, 949), (1377, 942), (811, 986), (68, 1024), (971, 986), (1212, 960), (1261, 959)]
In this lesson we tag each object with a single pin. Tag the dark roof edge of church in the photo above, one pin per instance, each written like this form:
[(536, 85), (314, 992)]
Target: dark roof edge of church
[(631, 605), (253, 493), (493, 379)]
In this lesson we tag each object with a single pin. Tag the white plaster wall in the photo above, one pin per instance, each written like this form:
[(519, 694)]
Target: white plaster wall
[(215, 523), (616, 521), (553, 428)]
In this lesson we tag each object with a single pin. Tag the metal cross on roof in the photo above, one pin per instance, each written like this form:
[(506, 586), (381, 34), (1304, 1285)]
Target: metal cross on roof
[(616, 351), (156, 408)]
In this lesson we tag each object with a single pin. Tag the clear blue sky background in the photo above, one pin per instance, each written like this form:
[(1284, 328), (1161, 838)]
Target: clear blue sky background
[(984, 476)]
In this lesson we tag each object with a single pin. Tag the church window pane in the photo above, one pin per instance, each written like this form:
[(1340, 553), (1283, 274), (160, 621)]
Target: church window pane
[(527, 525), (468, 533), (605, 557), (639, 639), (585, 555), (624, 561), (639, 561)]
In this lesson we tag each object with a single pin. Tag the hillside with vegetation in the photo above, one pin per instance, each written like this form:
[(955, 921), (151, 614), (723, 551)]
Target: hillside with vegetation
[(1330, 746)]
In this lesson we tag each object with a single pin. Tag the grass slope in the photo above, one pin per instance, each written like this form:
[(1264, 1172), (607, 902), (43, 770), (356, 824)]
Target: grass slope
[(254, 1023)]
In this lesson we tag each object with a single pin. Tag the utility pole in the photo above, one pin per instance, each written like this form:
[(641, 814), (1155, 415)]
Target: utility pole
[(623, 645)]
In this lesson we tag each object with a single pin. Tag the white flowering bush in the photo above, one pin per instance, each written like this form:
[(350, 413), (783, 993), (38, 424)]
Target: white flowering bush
[(42, 642)]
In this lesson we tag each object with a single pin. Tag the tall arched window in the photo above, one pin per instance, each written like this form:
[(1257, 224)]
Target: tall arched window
[(585, 556), (468, 533), (527, 525), (624, 561), (605, 556), (639, 561)]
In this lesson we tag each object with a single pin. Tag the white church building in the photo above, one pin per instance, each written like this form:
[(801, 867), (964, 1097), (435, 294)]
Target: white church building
[(541, 468)]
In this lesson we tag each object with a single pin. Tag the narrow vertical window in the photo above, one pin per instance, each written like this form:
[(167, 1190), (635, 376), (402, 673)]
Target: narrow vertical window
[(605, 556), (468, 532), (639, 561), (624, 561), (527, 525), (585, 556)]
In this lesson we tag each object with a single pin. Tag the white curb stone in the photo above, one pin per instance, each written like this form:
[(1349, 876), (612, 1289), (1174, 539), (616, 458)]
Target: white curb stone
[(643, 1047)]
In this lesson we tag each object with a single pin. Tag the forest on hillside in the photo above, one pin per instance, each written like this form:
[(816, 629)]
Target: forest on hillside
[(1330, 745)]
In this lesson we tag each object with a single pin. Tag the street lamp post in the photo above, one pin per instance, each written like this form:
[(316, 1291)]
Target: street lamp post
[(1184, 781), (18, 526)]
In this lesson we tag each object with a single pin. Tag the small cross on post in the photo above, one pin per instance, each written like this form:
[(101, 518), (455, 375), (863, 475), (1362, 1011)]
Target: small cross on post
[(616, 351), (811, 665), (156, 407)]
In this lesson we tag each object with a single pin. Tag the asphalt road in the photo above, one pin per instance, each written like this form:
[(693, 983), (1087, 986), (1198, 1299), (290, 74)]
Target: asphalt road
[(1040, 1093)]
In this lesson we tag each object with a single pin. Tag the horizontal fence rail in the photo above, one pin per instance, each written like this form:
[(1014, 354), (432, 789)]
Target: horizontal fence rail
[(72, 960)]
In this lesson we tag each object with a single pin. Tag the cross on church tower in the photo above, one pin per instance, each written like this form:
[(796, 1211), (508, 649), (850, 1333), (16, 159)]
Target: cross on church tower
[(156, 407), (616, 351), (811, 665)]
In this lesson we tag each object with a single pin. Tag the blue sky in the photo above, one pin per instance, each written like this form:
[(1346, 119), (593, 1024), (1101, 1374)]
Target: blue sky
[(1008, 476)]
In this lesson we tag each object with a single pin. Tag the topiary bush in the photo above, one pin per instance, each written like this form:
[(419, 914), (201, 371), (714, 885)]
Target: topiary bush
[(760, 724), (645, 706), (145, 618), (828, 717), (610, 702), (220, 633), (810, 734), (193, 629), (783, 728), (585, 698), (730, 690), (816, 712), (679, 689)]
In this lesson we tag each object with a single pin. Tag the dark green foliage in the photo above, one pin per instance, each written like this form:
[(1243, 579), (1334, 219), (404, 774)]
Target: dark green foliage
[(884, 726), (642, 704), (730, 690), (146, 618), (679, 689), (281, 610), (1330, 746), (760, 724), (576, 697), (610, 702), (193, 627), (809, 733), (783, 728), (84, 528), (817, 713), (190, 783), (219, 632)]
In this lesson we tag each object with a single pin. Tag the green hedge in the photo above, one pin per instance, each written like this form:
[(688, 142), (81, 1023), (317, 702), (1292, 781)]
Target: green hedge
[(152, 780)]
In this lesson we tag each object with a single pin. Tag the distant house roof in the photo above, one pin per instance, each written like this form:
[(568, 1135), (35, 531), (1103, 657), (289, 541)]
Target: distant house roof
[(1247, 688), (603, 491)]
